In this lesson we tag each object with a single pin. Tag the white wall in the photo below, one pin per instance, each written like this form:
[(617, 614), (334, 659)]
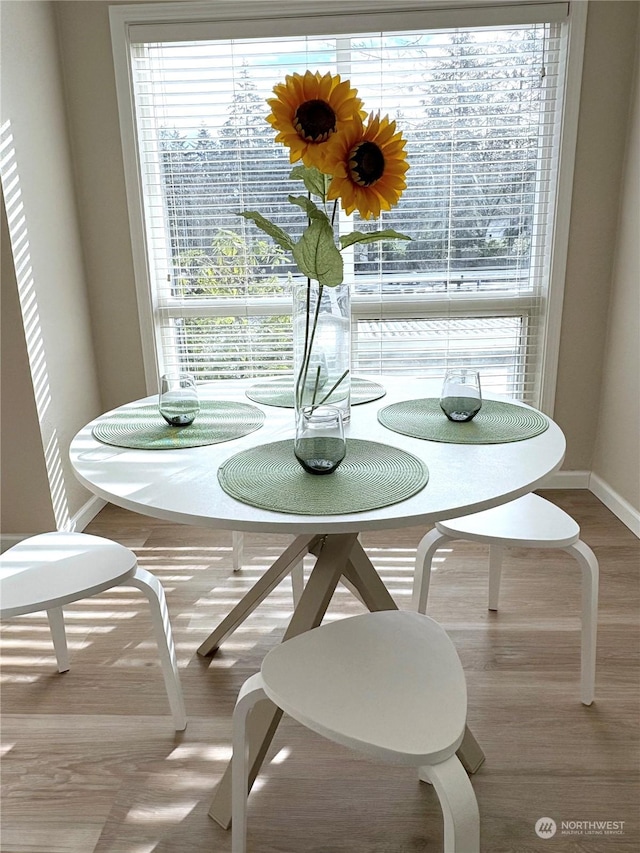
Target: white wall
[(602, 131), (25, 496), (617, 453), (94, 126), (41, 209)]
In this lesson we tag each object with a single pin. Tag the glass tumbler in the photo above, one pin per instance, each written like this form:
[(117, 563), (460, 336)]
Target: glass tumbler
[(320, 444), (461, 397), (178, 402)]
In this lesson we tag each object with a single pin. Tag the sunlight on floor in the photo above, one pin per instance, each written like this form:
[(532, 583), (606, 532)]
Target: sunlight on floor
[(436, 562), (222, 663), (32, 645), (18, 678), (200, 750), (160, 814), (30, 660), (102, 615), (281, 756)]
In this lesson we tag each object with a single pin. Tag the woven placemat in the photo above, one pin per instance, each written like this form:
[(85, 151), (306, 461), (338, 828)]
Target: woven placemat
[(495, 423), (144, 428), (371, 476), (279, 392)]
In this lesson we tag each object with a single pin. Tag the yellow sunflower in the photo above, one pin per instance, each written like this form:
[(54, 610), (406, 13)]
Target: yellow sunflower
[(368, 165), (309, 110)]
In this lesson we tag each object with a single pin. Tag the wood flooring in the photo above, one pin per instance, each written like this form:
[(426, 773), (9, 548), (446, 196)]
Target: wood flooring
[(91, 763)]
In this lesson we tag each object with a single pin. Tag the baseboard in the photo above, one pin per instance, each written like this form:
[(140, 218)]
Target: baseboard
[(620, 507), (8, 540), (78, 522), (86, 513), (566, 480)]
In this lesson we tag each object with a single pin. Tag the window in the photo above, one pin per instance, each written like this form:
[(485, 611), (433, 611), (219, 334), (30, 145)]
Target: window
[(480, 105)]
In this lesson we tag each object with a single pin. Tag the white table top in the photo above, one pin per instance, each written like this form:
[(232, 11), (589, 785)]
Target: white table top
[(182, 485)]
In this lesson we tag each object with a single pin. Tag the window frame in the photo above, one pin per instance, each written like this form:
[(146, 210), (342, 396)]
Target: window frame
[(182, 20)]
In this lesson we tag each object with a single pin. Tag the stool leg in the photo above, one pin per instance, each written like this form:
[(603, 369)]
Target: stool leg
[(250, 694), (459, 805), (427, 548), (590, 574), (495, 573), (237, 549), (152, 588), (59, 637)]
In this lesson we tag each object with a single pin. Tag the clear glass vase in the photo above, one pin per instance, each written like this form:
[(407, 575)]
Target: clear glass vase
[(322, 346)]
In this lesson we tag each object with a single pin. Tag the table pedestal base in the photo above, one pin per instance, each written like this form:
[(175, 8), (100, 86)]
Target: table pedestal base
[(338, 555)]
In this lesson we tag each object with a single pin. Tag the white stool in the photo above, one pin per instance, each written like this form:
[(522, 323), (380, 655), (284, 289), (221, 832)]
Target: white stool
[(528, 521), (47, 571), (389, 684)]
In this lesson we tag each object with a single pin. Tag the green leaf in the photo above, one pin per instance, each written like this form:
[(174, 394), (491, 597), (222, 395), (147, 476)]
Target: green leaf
[(315, 181), (317, 255), (371, 237), (281, 237), (312, 211)]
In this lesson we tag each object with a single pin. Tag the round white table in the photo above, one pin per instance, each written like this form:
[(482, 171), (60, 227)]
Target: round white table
[(182, 486)]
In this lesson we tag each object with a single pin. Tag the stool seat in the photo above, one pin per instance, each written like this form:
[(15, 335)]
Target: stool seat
[(530, 521), (48, 571), (389, 684), (370, 682), (53, 569)]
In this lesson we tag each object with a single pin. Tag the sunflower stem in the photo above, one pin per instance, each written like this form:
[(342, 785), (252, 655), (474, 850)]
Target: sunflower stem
[(333, 388), (308, 342), (298, 392), (315, 388)]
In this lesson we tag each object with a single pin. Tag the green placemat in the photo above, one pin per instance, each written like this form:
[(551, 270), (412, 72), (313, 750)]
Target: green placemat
[(143, 427), (279, 391), (371, 476), (495, 423)]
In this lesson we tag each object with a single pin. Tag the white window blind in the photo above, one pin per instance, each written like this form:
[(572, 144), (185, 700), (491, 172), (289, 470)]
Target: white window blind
[(480, 110)]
